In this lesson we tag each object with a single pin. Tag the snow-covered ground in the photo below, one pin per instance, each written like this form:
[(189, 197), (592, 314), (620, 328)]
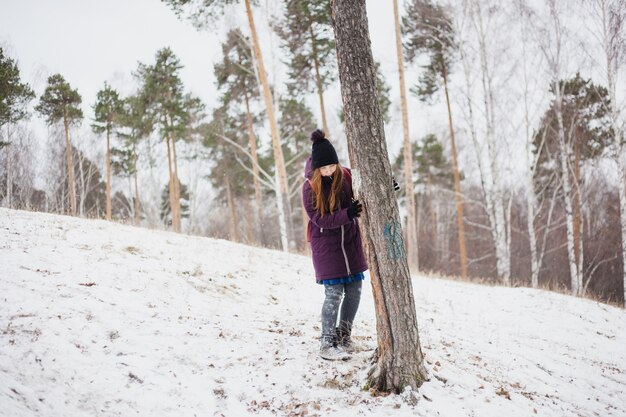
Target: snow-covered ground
[(98, 319)]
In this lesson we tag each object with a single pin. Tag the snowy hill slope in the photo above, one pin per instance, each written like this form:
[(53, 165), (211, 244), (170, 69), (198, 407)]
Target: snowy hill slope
[(98, 319)]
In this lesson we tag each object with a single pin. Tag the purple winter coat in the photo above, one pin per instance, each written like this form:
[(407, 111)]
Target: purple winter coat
[(336, 245)]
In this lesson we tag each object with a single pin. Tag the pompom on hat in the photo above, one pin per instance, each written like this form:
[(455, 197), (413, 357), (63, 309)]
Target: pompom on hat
[(322, 151)]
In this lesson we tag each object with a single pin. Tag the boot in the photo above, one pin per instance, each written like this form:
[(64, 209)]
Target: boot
[(344, 341), (329, 351)]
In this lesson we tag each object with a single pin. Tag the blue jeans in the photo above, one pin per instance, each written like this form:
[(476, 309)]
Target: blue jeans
[(351, 294)]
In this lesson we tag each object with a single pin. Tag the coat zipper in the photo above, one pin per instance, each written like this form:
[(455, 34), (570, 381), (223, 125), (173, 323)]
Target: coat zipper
[(343, 249)]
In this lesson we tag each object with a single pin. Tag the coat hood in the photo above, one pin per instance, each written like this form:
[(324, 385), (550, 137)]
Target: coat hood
[(308, 172)]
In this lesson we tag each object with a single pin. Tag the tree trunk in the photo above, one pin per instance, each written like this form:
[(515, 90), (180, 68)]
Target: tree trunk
[(531, 197), (318, 78), (70, 166), (433, 215), (233, 229), (81, 186), (411, 230), (176, 187), (137, 214), (249, 221), (457, 179), (493, 192), (9, 192), (255, 165), (567, 191), (108, 213), (282, 190), (398, 358), (578, 234), (172, 190), (621, 184), (610, 39)]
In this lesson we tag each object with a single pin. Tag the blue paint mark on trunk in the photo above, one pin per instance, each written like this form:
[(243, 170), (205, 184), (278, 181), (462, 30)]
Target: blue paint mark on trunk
[(394, 241)]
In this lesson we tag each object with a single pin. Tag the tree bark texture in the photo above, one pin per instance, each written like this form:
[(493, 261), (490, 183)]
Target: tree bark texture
[(567, 192), (612, 27), (233, 229), (108, 212), (398, 360), (172, 190), (282, 190), (457, 179), (411, 229), (137, 213), (176, 187), (249, 220), (70, 166), (493, 193), (9, 192), (578, 224), (255, 165)]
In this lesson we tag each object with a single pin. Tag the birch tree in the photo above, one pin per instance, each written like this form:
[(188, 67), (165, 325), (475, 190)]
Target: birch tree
[(60, 102), (553, 35), (526, 15), (610, 19), (90, 189), (489, 163), (586, 128), (398, 358)]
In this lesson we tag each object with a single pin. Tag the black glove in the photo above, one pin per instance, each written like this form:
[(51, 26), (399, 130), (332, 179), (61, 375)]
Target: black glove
[(355, 209), (396, 186)]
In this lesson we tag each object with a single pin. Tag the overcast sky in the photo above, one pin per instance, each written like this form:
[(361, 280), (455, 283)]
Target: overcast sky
[(90, 41)]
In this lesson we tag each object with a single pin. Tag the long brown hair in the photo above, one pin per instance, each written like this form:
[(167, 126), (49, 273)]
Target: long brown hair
[(323, 205)]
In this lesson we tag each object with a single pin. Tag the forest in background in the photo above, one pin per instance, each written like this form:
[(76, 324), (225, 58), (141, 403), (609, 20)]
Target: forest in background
[(521, 181)]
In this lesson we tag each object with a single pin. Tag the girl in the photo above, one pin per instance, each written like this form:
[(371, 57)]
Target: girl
[(335, 244)]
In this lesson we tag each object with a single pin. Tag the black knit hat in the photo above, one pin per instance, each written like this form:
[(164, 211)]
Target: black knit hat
[(322, 152)]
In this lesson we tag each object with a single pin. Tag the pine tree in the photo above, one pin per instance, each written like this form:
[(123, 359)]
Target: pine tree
[(306, 32), (60, 102), (429, 31), (237, 82), (107, 108), (135, 125), (166, 209), (173, 112), (202, 13), (587, 132), (14, 96)]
